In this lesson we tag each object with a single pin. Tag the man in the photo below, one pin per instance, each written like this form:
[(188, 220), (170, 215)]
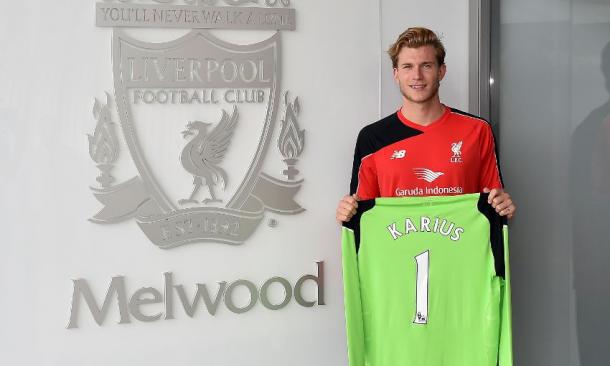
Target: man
[(425, 148)]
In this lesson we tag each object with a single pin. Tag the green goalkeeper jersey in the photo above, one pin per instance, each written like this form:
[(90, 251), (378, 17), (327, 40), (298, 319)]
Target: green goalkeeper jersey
[(427, 283)]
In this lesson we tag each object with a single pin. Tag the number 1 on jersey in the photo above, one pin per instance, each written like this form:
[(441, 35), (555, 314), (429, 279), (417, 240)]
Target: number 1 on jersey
[(421, 295)]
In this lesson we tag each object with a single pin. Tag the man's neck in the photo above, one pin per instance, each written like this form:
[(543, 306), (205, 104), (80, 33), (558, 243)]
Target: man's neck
[(423, 113)]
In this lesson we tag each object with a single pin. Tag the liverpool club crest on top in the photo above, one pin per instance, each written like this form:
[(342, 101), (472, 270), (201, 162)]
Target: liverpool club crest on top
[(197, 114)]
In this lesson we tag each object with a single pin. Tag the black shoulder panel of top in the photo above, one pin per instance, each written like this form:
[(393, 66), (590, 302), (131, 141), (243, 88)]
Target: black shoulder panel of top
[(492, 134), (469, 115), (385, 132), (354, 222), (376, 136), (496, 223)]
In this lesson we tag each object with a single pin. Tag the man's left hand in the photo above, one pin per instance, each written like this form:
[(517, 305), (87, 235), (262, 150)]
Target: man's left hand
[(501, 202)]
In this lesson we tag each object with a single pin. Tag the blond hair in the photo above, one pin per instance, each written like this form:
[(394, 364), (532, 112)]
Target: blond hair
[(414, 38)]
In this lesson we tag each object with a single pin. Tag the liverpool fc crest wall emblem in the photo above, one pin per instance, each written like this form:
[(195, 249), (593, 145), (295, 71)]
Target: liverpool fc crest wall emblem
[(199, 116)]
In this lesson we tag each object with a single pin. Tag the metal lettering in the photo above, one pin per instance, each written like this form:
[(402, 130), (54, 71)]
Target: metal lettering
[(158, 15), (287, 293), (231, 93), (244, 96), (319, 279), (138, 300), (132, 77), (200, 96), (180, 75), (160, 71), (261, 66), (169, 299), (233, 76), (242, 71), (285, 3), (105, 11), (162, 96), (192, 16), (150, 295), (202, 292), (114, 14), (81, 287), (195, 66), (229, 296), (212, 66), (193, 71)]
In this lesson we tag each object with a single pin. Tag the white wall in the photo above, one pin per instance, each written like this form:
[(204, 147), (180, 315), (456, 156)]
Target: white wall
[(55, 62)]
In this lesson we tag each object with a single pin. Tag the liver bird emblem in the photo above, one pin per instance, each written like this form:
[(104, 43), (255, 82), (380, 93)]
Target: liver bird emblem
[(456, 149), (201, 156)]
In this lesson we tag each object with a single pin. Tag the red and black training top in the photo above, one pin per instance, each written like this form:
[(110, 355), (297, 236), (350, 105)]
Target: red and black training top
[(455, 154)]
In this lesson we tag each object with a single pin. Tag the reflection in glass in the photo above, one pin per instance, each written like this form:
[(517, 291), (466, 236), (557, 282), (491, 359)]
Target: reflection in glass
[(590, 200)]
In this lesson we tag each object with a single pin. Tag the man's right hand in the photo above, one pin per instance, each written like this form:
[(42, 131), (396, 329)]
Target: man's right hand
[(347, 208)]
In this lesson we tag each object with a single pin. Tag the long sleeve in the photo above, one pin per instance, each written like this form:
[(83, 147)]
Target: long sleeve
[(353, 305), (505, 356)]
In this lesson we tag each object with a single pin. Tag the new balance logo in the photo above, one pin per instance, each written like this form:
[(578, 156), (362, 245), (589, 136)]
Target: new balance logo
[(427, 174), (398, 154)]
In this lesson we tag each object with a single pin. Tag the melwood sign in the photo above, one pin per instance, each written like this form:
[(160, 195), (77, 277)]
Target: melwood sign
[(201, 198), (165, 299)]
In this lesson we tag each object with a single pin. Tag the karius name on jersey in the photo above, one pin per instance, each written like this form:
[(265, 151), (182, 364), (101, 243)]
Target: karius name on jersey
[(438, 225)]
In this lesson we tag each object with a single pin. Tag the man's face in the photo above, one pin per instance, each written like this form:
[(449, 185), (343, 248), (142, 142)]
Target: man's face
[(418, 74)]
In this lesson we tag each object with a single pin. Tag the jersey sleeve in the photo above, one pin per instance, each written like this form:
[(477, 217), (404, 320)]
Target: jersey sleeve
[(364, 173), (490, 169), (505, 356), (498, 240), (352, 301)]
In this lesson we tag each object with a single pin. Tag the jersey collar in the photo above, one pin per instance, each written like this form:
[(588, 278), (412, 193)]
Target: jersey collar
[(416, 126)]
